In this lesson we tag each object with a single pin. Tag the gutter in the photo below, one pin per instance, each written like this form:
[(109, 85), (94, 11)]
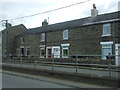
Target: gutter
[(100, 22)]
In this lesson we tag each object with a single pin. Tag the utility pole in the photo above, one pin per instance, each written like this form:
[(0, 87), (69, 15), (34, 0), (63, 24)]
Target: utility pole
[(6, 23)]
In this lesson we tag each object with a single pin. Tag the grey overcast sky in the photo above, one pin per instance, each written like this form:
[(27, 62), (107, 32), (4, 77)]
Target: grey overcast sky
[(11, 9)]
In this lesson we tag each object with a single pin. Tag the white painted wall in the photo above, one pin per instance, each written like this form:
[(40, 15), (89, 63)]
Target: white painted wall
[(117, 52)]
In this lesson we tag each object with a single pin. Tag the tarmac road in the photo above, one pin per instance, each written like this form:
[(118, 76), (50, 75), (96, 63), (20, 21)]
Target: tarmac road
[(15, 81), (12, 79)]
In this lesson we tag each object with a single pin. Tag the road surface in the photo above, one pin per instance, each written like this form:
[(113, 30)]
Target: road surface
[(15, 81), (21, 80)]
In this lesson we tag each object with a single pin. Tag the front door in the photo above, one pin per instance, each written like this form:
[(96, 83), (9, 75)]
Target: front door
[(49, 52)]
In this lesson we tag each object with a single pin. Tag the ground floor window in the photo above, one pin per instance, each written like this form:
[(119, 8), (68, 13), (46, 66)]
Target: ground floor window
[(42, 52), (65, 50), (106, 49), (56, 51), (23, 51), (27, 51)]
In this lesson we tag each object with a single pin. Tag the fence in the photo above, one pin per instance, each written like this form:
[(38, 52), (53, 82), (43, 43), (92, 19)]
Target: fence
[(82, 59), (75, 61)]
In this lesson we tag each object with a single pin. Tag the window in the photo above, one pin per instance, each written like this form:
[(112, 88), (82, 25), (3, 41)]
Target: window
[(106, 30), (23, 51), (42, 52), (65, 34), (22, 39), (27, 51), (56, 51), (65, 50), (42, 37), (106, 49)]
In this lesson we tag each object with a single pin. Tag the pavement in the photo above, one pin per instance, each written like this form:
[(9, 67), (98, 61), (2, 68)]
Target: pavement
[(92, 72)]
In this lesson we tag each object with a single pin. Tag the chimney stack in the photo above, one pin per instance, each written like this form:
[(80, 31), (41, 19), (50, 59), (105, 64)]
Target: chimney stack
[(44, 23), (94, 11)]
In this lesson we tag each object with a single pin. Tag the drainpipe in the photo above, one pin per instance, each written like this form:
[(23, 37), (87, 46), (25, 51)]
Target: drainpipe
[(114, 38), (45, 44)]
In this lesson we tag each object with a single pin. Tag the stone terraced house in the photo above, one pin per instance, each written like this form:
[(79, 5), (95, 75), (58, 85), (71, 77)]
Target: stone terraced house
[(89, 36)]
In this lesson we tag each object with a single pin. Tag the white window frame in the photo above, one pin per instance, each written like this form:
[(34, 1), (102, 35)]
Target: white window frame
[(42, 48), (65, 46), (42, 37), (108, 26), (65, 34), (26, 51), (57, 48), (106, 45)]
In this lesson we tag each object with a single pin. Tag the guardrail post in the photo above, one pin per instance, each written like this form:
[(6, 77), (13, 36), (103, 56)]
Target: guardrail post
[(109, 68), (21, 61), (10, 59), (52, 61), (76, 62), (35, 62)]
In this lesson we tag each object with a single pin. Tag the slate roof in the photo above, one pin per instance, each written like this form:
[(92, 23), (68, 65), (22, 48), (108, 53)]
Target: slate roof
[(73, 24), (18, 27)]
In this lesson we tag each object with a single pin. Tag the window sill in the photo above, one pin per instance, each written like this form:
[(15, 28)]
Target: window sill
[(42, 41), (41, 57), (65, 39), (108, 35)]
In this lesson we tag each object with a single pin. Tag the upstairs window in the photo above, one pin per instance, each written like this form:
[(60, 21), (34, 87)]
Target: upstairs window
[(42, 37), (65, 34), (106, 30)]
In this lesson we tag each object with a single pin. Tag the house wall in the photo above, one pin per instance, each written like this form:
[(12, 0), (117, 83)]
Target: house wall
[(11, 38), (30, 41), (8, 38), (54, 38), (84, 40)]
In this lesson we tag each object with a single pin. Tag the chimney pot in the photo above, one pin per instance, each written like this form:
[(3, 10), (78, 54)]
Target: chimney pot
[(94, 11), (44, 23), (94, 7)]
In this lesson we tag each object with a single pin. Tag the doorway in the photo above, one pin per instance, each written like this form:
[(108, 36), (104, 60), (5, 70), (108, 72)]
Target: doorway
[(48, 52)]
